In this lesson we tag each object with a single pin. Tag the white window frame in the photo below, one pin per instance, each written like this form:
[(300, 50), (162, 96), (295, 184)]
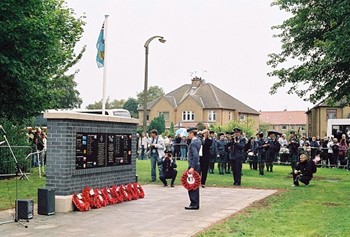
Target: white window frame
[(212, 115), (187, 116)]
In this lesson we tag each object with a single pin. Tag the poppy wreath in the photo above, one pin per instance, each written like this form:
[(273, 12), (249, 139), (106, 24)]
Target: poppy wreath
[(124, 193), (191, 181), (99, 195), (115, 193), (79, 203), (131, 191), (139, 189), (106, 192), (86, 195)]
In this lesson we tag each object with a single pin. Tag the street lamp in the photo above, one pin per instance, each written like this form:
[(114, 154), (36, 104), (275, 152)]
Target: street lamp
[(162, 40)]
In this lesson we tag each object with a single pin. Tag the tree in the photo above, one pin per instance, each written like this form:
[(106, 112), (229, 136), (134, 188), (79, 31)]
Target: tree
[(115, 104), (153, 92), (157, 123), (317, 35), (131, 104), (246, 126), (37, 41)]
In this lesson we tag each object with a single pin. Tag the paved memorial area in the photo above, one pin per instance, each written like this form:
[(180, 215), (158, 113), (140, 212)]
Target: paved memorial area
[(160, 213)]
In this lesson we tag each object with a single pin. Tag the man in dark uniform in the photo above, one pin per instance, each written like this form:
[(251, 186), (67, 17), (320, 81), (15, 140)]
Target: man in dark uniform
[(193, 165), (261, 152), (272, 150), (227, 164), (213, 152), (237, 155), (293, 150), (221, 157)]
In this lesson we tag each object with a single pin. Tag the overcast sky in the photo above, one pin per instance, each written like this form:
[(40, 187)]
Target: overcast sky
[(226, 42)]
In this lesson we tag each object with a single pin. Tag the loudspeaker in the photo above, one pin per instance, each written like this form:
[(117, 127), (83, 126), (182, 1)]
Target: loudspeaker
[(46, 201), (24, 209)]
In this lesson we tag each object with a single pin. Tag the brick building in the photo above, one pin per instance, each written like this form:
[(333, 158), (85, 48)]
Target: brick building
[(198, 102)]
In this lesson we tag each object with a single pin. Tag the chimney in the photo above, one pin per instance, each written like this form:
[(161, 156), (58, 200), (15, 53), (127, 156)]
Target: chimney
[(197, 81)]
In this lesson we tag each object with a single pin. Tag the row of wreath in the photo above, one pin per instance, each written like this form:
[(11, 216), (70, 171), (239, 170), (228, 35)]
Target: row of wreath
[(97, 198)]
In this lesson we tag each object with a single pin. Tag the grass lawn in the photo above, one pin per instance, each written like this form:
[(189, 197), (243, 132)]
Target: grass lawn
[(322, 209)]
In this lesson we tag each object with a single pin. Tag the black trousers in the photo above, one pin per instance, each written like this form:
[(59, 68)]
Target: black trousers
[(304, 179), (204, 164), (236, 166), (166, 176), (194, 194)]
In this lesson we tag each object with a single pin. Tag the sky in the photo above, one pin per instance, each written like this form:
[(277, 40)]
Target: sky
[(225, 42)]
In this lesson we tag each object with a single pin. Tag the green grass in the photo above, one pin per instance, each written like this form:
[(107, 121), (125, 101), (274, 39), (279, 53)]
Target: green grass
[(322, 209), (26, 189)]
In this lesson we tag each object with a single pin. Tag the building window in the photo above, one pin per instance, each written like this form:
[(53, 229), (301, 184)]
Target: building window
[(212, 115), (331, 114), (242, 117), (165, 115), (187, 116), (147, 117), (284, 127), (229, 116)]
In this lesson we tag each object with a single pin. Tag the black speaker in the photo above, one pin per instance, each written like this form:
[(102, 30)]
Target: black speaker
[(46, 201), (24, 209)]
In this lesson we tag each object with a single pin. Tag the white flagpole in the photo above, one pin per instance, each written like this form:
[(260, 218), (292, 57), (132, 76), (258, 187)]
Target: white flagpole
[(105, 34)]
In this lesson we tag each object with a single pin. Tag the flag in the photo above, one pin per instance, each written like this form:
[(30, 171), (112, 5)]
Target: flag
[(100, 45)]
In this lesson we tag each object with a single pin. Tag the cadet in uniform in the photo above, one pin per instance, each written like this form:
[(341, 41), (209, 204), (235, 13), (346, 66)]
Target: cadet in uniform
[(237, 155), (213, 152), (227, 164), (272, 150), (221, 147), (193, 165), (293, 150), (261, 152)]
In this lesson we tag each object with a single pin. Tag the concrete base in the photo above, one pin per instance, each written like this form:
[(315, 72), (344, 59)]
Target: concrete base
[(64, 203)]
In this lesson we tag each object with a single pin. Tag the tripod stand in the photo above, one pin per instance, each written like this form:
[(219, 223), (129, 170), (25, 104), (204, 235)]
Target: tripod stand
[(24, 176)]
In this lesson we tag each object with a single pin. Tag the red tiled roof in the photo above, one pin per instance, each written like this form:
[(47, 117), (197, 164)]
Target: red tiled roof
[(283, 117)]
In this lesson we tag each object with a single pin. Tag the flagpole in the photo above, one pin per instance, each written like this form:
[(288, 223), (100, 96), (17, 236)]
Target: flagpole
[(105, 65)]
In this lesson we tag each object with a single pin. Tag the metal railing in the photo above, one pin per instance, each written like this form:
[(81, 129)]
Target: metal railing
[(8, 164)]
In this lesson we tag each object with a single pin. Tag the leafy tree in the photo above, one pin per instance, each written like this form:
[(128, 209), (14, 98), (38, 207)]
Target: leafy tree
[(317, 35), (115, 104), (131, 104), (263, 127), (201, 126), (157, 123), (153, 92), (63, 93), (37, 41), (246, 126)]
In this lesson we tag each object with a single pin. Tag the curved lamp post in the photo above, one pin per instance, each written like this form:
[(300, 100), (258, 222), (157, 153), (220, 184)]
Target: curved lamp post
[(162, 40)]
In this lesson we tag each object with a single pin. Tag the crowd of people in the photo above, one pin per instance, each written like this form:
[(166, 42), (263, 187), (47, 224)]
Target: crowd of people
[(224, 153), (38, 142)]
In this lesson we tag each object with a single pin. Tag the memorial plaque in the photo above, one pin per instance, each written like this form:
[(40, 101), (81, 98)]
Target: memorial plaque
[(102, 149)]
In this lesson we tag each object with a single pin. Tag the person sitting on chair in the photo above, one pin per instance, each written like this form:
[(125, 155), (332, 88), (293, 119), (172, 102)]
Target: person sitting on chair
[(303, 171), (169, 169)]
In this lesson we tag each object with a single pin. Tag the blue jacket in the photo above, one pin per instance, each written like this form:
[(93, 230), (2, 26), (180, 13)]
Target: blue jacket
[(193, 152)]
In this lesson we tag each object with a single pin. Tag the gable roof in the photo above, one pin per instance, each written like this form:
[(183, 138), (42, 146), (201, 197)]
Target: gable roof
[(208, 96), (283, 117)]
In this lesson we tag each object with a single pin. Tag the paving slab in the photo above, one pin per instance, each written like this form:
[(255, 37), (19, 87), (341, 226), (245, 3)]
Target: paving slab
[(160, 213)]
